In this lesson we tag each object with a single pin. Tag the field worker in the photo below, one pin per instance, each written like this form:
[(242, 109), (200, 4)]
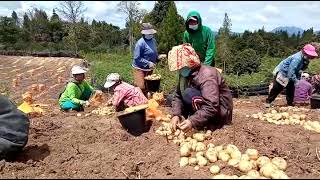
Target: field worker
[(315, 81), (145, 56), (287, 74), (200, 37), (205, 101), (303, 90), (125, 95), (14, 129), (77, 92)]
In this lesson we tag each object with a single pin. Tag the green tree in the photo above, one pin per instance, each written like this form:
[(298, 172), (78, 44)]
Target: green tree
[(246, 61), (171, 31), (224, 54), (256, 42), (158, 13), (56, 27), (9, 32), (15, 18)]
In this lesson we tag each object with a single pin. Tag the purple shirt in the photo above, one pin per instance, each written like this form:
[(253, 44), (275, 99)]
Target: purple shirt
[(302, 91)]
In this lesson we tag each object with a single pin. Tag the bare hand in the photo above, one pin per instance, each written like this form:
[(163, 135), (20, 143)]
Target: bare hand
[(174, 122), (185, 126)]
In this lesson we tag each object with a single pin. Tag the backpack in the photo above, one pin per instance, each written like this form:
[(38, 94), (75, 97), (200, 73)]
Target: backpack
[(14, 129), (66, 87), (181, 56)]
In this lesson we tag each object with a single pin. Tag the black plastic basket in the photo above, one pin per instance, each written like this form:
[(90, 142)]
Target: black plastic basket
[(315, 103), (152, 85), (134, 122)]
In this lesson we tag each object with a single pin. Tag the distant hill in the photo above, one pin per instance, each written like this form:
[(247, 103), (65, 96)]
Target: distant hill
[(290, 30)]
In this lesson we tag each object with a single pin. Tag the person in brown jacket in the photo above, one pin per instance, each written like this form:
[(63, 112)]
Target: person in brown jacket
[(202, 97)]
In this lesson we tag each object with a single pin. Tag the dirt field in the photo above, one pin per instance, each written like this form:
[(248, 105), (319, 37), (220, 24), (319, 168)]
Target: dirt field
[(62, 145)]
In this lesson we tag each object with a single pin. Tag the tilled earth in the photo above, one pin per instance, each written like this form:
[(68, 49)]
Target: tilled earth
[(63, 145)]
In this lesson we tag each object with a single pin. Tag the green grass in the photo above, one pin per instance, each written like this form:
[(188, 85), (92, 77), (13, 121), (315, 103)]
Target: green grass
[(105, 63)]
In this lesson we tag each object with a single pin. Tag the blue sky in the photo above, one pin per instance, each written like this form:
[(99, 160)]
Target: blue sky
[(245, 15)]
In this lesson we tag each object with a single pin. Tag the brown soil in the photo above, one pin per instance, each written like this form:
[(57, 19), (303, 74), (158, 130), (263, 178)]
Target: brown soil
[(62, 145)]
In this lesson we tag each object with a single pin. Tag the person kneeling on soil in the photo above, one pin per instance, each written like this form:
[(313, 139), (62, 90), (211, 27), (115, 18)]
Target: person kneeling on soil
[(303, 90), (125, 95), (77, 91), (14, 129), (202, 96), (286, 74)]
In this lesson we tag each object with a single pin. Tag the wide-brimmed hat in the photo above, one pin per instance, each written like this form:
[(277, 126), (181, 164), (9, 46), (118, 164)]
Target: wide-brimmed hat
[(112, 79), (310, 50), (78, 70), (147, 28)]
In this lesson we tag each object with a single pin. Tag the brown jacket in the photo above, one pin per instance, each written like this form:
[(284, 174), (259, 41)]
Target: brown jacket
[(218, 105)]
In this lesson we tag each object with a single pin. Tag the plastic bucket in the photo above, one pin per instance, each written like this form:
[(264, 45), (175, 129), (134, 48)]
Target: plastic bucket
[(134, 122), (153, 85)]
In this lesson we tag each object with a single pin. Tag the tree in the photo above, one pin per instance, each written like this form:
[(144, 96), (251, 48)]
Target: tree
[(72, 10), (132, 11), (39, 26), (171, 31), (15, 18), (246, 61), (224, 54), (158, 13), (256, 42), (9, 32), (56, 27)]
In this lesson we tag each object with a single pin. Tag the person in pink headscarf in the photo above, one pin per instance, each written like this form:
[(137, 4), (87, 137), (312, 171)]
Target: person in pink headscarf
[(287, 74)]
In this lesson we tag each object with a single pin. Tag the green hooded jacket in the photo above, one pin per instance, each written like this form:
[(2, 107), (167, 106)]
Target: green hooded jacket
[(202, 40)]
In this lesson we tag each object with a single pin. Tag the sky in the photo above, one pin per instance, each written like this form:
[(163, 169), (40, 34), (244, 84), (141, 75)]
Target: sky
[(244, 15)]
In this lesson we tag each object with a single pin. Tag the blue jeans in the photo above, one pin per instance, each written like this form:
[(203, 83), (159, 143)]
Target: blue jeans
[(192, 100)]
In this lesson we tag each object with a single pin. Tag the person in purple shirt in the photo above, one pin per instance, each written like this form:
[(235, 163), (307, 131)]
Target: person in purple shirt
[(303, 90)]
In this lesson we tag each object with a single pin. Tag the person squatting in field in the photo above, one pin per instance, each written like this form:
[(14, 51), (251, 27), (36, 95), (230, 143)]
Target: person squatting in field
[(77, 91), (287, 74), (202, 97), (303, 90), (200, 37), (125, 95)]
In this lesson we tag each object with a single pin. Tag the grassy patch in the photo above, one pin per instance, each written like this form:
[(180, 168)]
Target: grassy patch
[(105, 63)]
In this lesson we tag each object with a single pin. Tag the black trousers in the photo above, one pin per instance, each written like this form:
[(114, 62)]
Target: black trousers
[(278, 88)]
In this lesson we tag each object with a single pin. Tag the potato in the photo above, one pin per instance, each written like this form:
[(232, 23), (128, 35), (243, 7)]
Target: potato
[(188, 139), (274, 111), (285, 115), (277, 117), (199, 154), (233, 162), (254, 164), (253, 173), (280, 163), (230, 148), (218, 148), (252, 153), (184, 151), (210, 145), (224, 156), (236, 155), (262, 160), (196, 168), (211, 155), (198, 136), (176, 141), (303, 117), (208, 134), (202, 161), (278, 174), (267, 169), (200, 147), (255, 116), (214, 169), (184, 161), (295, 116), (245, 166), (193, 161), (220, 176), (193, 141), (245, 157)]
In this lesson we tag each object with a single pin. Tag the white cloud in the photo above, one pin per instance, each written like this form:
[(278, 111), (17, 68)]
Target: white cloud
[(214, 10), (261, 18)]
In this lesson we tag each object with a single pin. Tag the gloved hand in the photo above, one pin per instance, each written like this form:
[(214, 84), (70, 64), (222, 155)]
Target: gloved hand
[(152, 65), (185, 126), (86, 104)]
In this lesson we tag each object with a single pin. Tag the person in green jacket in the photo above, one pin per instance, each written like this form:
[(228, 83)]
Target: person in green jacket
[(77, 91), (200, 37)]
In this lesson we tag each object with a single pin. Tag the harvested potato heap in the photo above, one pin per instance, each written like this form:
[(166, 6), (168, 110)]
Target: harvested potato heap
[(97, 100), (285, 118), (28, 107), (153, 77), (194, 151), (103, 111)]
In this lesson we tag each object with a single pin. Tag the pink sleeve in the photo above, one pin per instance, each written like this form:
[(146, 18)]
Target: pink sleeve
[(117, 97)]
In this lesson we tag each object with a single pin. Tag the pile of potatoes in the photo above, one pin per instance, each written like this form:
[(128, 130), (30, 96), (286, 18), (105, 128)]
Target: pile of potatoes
[(194, 151), (153, 77), (284, 118), (293, 108), (103, 111)]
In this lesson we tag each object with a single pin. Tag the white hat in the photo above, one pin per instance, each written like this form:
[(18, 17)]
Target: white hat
[(305, 75), (78, 70), (193, 18), (112, 79), (147, 28)]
